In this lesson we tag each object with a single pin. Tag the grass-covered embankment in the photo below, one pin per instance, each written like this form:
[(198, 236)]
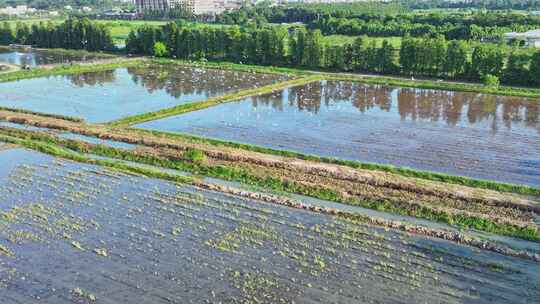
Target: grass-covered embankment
[(56, 116), (403, 171), (195, 106), (193, 162)]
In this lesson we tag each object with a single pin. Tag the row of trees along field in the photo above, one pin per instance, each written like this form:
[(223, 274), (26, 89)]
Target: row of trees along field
[(386, 20), (74, 33), (307, 12), (479, 4), (400, 27), (434, 57), (55, 4)]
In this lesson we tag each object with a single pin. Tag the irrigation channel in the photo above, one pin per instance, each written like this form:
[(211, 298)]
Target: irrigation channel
[(183, 184)]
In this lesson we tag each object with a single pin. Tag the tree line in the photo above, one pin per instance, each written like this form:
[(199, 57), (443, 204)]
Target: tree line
[(306, 12), (401, 27), (382, 13), (57, 4), (301, 47), (383, 22), (74, 33), (482, 4)]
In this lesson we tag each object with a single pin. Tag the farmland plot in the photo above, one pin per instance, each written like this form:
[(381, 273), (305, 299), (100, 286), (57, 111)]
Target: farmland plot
[(100, 97), (458, 133), (84, 234)]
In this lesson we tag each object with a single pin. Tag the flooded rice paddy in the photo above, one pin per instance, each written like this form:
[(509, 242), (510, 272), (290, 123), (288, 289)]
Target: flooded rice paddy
[(35, 58), (100, 97), (467, 134), (73, 233)]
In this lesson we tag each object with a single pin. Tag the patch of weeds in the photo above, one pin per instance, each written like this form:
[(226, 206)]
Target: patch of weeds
[(78, 292), (6, 251), (194, 155)]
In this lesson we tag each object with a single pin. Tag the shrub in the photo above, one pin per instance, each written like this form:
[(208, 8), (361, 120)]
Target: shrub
[(491, 81), (160, 49), (194, 155)]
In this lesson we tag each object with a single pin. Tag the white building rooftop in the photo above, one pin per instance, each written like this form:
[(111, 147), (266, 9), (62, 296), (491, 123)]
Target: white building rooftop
[(534, 34)]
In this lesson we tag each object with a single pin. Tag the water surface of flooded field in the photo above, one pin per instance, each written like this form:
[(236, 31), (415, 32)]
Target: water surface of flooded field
[(104, 96), (35, 58), (73, 233), (468, 134)]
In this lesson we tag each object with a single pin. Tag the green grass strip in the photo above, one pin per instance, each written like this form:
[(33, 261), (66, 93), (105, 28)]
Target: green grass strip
[(49, 144), (195, 106)]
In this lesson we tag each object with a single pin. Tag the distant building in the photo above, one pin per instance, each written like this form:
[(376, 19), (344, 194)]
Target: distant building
[(197, 7), (530, 38), (17, 10), (143, 6)]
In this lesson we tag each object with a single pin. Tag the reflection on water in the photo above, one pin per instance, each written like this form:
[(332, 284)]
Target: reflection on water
[(452, 108), (180, 81), (40, 57), (109, 95), (475, 135), (92, 78)]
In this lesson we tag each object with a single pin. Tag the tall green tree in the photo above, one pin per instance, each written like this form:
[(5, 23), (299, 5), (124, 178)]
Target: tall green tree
[(487, 59), (6, 34), (297, 46), (457, 58), (517, 68), (385, 58), (359, 56), (314, 49), (408, 56), (534, 75)]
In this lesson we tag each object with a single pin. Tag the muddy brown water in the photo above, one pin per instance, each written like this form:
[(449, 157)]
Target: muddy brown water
[(73, 232), (104, 96), (458, 133)]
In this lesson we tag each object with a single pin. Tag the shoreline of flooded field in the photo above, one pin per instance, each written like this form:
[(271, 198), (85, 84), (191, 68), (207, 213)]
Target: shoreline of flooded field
[(457, 133), (68, 225)]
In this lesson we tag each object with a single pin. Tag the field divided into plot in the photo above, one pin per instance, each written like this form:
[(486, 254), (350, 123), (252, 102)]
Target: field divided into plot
[(99, 97), (466, 134), (74, 233)]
